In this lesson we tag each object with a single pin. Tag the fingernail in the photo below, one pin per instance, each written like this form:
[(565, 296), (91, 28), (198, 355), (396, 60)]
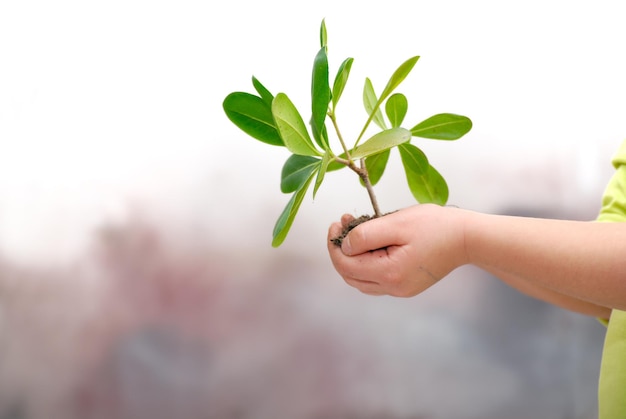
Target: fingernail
[(346, 247)]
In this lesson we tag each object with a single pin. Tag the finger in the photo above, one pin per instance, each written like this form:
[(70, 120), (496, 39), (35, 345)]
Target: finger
[(334, 230), (334, 250), (377, 233), (346, 219), (338, 231), (366, 287), (370, 267), (375, 293)]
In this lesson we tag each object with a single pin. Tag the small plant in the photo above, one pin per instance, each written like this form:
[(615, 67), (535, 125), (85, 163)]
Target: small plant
[(273, 119)]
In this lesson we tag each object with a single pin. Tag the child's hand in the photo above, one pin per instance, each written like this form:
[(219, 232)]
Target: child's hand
[(402, 253)]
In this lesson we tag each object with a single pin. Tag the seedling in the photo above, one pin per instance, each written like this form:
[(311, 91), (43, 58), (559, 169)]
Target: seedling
[(274, 120)]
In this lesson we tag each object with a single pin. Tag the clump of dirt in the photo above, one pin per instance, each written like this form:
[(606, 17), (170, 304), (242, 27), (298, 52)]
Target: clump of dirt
[(352, 224), (360, 220)]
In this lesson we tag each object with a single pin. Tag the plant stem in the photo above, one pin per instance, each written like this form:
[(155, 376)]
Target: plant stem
[(361, 171), (370, 189), (339, 136)]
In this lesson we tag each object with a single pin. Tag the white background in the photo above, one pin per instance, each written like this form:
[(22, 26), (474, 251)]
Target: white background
[(109, 105)]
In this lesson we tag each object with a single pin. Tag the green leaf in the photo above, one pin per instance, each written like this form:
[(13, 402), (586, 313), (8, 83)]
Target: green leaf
[(437, 187), (291, 127), (382, 141), (413, 159), (263, 92), (285, 220), (394, 81), (335, 165), (396, 108), (296, 170), (324, 139), (323, 34), (341, 79), (323, 167), (253, 116), (425, 182), (443, 126), (320, 96), (371, 103), (376, 165), (398, 76)]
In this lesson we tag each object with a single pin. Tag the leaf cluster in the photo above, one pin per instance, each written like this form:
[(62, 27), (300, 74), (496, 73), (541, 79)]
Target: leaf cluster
[(275, 120)]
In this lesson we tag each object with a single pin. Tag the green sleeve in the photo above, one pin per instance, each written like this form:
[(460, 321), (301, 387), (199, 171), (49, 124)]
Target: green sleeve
[(614, 198), (612, 383)]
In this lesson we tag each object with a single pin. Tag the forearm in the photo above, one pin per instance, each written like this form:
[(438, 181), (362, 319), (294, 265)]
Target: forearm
[(583, 261), (550, 296)]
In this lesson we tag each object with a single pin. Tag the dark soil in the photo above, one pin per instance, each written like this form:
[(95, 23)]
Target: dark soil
[(339, 239)]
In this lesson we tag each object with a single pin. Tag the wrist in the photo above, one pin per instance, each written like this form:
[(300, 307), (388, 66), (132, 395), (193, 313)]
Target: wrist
[(463, 220)]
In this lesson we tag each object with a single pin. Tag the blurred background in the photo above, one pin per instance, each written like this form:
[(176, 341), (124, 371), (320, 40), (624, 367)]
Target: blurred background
[(137, 278)]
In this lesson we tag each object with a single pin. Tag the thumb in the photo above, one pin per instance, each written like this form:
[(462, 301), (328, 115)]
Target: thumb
[(373, 234)]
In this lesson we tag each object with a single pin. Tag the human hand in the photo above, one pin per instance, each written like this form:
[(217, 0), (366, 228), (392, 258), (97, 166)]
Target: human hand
[(400, 254)]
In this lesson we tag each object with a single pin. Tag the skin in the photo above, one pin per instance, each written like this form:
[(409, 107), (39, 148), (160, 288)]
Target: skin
[(577, 265)]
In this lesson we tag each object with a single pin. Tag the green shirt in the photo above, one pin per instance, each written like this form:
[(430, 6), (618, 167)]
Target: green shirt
[(612, 384)]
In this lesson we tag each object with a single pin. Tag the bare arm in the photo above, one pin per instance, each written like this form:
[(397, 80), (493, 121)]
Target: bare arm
[(553, 297), (569, 260), (576, 265)]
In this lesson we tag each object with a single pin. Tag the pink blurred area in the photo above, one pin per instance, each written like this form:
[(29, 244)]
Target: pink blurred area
[(157, 321)]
